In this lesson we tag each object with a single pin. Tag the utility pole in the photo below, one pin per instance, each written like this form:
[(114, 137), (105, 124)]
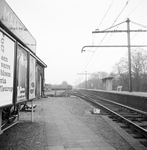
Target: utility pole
[(86, 79), (129, 55), (128, 31), (85, 73)]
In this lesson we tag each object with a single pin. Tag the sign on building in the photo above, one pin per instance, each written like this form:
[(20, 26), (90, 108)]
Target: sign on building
[(21, 74), (32, 76), (6, 69)]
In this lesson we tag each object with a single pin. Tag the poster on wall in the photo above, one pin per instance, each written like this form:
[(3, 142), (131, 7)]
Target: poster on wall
[(6, 69), (21, 74), (32, 78)]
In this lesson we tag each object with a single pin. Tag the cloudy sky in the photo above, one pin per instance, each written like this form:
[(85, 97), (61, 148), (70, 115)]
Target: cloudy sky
[(62, 27)]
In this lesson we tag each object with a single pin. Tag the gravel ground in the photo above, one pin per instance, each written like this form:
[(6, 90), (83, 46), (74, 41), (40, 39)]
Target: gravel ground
[(25, 135), (32, 136)]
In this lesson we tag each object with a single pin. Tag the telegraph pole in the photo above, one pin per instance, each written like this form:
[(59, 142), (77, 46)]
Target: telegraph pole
[(128, 31), (129, 55), (85, 73)]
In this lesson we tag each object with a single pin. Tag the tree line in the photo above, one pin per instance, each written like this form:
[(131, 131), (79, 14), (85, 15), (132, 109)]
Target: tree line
[(120, 73), (63, 85)]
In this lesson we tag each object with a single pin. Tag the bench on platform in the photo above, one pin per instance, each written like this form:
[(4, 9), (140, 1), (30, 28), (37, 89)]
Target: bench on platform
[(119, 88), (27, 107)]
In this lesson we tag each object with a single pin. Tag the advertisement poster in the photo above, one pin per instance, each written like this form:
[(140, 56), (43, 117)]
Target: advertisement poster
[(32, 78), (21, 74), (6, 70)]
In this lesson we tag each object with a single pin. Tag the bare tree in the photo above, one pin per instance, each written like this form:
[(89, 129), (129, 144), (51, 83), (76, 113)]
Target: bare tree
[(64, 83), (95, 80), (138, 69)]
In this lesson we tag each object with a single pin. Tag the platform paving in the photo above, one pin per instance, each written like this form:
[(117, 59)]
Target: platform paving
[(65, 131), (66, 124)]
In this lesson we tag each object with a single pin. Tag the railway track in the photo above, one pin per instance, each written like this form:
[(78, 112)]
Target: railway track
[(132, 120)]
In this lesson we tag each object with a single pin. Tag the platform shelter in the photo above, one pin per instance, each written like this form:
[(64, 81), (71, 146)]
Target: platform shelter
[(107, 83)]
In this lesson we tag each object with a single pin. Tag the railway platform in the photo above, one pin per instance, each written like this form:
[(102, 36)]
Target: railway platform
[(69, 125), (65, 131), (65, 123)]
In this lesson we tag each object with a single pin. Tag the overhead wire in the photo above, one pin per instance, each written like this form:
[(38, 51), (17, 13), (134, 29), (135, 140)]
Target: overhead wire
[(139, 24), (134, 9), (114, 22), (86, 61), (97, 28), (116, 54), (133, 36), (121, 12), (104, 16), (109, 38), (109, 29), (112, 26), (123, 48), (117, 25), (132, 12)]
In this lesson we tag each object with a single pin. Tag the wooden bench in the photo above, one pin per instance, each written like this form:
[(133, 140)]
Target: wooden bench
[(119, 88)]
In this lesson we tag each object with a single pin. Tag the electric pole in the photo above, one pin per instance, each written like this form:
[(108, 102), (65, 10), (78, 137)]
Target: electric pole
[(85, 74), (129, 55), (128, 31)]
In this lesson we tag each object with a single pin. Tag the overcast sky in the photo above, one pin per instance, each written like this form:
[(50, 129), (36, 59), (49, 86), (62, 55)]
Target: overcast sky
[(62, 27)]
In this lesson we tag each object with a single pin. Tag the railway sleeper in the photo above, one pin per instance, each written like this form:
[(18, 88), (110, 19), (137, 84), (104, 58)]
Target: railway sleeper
[(133, 119), (143, 119), (136, 133), (129, 131), (143, 142), (138, 136), (142, 124), (127, 115), (123, 126), (116, 119)]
